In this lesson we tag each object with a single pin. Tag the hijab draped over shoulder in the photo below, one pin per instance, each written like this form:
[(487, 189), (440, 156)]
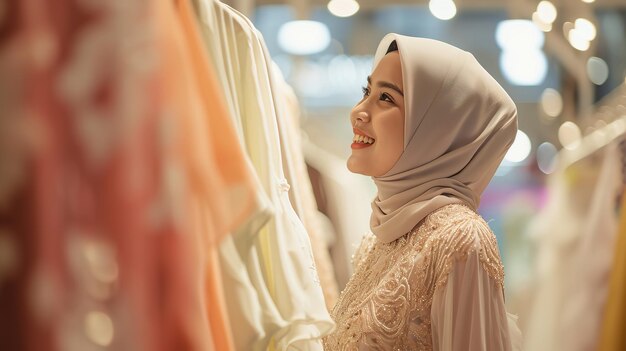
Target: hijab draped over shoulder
[(459, 123)]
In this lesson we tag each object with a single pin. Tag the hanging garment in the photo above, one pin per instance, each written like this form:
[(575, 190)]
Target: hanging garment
[(93, 206), (573, 234), (225, 196), (301, 193), (345, 199), (278, 258), (584, 303), (612, 337), (424, 291), (102, 226)]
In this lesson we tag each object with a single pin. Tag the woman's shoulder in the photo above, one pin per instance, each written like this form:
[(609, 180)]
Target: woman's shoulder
[(455, 232), (459, 225)]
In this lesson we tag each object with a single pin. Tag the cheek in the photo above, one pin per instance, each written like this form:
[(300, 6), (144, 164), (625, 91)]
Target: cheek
[(389, 143), (390, 133)]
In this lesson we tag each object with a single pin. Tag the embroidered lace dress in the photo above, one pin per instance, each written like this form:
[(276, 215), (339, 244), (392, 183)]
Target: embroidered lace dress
[(439, 287)]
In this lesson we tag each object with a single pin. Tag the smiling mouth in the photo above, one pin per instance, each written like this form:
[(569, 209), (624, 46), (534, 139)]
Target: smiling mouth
[(362, 139)]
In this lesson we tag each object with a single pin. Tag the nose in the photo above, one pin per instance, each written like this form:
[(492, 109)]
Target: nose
[(359, 115)]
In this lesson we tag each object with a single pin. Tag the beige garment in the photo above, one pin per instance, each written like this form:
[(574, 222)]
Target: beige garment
[(344, 197), (301, 192), (459, 124), (439, 287), (278, 258)]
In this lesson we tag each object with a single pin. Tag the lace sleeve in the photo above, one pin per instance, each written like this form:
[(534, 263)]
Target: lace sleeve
[(456, 240), (468, 311)]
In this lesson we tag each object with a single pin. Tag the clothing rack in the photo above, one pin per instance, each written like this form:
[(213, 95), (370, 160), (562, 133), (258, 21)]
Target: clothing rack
[(599, 138)]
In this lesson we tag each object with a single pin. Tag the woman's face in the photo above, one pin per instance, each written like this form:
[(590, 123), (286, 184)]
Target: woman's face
[(378, 120)]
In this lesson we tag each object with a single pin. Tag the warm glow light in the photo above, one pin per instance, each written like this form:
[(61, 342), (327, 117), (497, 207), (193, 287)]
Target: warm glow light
[(303, 37), (577, 40), (343, 8), (597, 70), (522, 61), (586, 29), (546, 12), (520, 149), (527, 68), (545, 27), (546, 157), (518, 35), (442, 9), (551, 102), (569, 135)]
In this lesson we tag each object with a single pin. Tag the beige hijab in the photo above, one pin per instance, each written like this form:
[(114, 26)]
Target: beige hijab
[(459, 124)]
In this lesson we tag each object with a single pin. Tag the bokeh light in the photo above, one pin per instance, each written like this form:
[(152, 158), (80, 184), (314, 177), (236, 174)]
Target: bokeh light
[(569, 135), (546, 157), (551, 102), (343, 8), (520, 149), (597, 70), (442, 9), (303, 37)]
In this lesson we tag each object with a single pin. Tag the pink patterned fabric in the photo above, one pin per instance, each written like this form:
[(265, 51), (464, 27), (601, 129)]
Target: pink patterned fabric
[(100, 235)]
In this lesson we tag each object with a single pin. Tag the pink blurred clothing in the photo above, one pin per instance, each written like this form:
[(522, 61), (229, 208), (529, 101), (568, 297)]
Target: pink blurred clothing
[(111, 199)]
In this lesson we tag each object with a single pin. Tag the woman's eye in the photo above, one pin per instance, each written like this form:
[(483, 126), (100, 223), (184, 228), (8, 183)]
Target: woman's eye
[(386, 97)]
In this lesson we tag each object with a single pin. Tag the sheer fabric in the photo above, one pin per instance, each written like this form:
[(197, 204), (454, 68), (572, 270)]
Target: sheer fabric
[(439, 287)]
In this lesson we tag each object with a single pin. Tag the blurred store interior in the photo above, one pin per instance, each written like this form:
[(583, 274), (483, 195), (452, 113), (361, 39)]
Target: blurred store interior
[(113, 238), (562, 62)]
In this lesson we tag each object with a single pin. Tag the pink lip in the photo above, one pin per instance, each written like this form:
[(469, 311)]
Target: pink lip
[(355, 146)]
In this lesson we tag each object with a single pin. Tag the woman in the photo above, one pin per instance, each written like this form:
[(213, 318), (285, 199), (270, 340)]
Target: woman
[(431, 130)]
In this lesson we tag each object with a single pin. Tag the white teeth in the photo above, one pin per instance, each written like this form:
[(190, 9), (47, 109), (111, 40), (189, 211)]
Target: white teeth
[(362, 139)]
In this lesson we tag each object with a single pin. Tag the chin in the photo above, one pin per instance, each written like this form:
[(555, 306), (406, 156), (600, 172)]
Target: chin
[(350, 164), (354, 167)]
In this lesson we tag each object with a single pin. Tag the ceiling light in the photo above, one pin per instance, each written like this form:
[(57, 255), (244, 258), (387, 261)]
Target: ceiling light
[(586, 28), (442, 9), (520, 149), (303, 37), (545, 27), (526, 67), (343, 8), (518, 35), (578, 40), (546, 12)]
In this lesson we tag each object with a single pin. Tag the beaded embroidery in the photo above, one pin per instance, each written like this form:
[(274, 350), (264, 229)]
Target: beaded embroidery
[(386, 304)]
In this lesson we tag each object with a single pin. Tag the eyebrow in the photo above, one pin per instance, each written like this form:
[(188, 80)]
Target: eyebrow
[(385, 84)]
